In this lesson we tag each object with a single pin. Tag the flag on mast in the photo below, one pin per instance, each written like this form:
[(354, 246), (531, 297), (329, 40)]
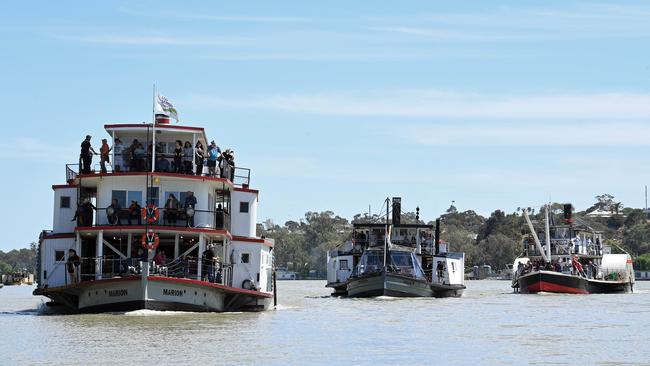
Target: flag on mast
[(164, 106)]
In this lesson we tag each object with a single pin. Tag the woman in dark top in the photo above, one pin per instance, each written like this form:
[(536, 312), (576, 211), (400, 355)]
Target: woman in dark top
[(178, 157), (200, 157)]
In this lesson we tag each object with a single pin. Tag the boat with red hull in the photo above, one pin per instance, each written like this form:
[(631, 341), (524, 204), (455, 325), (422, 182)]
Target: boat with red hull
[(573, 259), (549, 281)]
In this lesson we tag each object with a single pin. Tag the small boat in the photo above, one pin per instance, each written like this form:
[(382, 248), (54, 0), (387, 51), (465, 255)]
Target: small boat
[(573, 260), (396, 259)]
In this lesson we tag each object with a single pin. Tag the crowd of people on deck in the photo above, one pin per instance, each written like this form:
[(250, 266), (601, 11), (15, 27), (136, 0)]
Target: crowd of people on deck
[(185, 159), (570, 265), (183, 266)]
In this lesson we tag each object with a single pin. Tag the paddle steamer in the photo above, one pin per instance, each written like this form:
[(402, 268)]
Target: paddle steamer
[(395, 259), (569, 257), (208, 257)]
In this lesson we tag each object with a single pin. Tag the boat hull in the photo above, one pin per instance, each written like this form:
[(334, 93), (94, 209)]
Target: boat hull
[(156, 293), (388, 284), (548, 281), (440, 290)]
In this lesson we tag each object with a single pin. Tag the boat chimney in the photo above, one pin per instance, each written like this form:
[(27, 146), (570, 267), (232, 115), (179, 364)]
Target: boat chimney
[(397, 210), (162, 119), (436, 237), (568, 213)]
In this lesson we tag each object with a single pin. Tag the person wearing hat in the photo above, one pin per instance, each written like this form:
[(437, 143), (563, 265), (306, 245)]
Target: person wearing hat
[(86, 155), (190, 202)]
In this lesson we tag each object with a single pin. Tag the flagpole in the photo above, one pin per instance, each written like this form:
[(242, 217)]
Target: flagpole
[(153, 116)]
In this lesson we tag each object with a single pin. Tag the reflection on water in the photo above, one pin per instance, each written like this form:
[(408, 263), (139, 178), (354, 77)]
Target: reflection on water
[(489, 325)]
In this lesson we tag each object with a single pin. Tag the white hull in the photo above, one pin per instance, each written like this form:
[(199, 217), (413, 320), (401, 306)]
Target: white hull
[(157, 293)]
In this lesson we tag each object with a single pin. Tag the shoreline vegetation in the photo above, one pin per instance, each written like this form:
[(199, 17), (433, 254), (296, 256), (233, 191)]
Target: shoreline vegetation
[(301, 246)]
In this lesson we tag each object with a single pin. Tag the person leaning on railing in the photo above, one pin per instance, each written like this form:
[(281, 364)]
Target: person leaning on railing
[(104, 150), (113, 212), (118, 150), (135, 212), (188, 157), (190, 203)]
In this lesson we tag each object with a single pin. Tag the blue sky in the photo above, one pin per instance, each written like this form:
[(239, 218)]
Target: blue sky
[(338, 104)]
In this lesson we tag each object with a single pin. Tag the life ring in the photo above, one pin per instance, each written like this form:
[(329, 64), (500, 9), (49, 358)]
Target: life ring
[(151, 213), (150, 240)]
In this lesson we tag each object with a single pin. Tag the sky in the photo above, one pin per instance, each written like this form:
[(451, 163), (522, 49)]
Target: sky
[(337, 105)]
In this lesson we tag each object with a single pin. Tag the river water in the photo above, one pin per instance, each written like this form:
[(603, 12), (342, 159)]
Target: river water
[(488, 325)]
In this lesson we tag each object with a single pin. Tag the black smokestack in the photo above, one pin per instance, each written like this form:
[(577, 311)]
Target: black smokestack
[(568, 213), (397, 210), (436, 237)]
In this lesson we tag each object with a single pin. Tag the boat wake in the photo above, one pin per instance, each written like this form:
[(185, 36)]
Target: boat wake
[(147, 312)]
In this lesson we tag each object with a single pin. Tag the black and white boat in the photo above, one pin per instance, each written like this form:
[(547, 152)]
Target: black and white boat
[(573, 259), (397, 259)]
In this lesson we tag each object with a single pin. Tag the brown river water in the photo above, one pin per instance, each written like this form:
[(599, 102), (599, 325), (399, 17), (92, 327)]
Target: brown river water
[(489, 325)]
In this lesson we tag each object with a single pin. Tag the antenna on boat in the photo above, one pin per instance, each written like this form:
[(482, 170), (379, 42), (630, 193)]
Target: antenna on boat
[(387, 234), (547, 233), (153, 123)]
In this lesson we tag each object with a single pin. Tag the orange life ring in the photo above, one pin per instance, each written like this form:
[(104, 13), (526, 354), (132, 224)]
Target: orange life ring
[(150, 240), (151, 213)]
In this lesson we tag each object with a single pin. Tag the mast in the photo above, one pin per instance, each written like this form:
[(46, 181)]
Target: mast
[(547, 233), (386, 235), (534, 233), (153, 122)]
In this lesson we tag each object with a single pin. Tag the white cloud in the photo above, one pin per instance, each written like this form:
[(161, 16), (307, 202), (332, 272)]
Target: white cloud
[(156, 40), (522, 135), (437, 104)]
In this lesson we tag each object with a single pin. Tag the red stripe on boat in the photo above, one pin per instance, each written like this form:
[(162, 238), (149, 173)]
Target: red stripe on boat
[(543, 286)]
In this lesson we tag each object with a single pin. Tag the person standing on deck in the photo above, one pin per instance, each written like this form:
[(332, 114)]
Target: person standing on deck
[(213, 156), (73, 266), (188, 157), (86, 155), (190, 202), (104, 150), (200, 158), (178, 157), (118, 161)]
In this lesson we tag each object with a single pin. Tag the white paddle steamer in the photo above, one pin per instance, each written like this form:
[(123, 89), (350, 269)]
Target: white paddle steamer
[(207, 255)]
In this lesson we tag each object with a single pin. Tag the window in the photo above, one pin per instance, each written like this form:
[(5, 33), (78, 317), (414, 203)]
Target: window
[(453, 267), (343, 265), (154, 196), (65, 202), (59, 256), (180, 196), (245, 257), (243, 207), (124, 198)]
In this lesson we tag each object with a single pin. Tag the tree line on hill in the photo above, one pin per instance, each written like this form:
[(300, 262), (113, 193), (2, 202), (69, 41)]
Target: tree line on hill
[(18, 260), (302, 245)]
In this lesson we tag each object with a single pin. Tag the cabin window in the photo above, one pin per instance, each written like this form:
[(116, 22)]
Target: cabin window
[(343, 265), (154, 196), (64, 202), (245, 257), (453, 267), (243, 207), (124, 198), (59, 256), (180, 196)]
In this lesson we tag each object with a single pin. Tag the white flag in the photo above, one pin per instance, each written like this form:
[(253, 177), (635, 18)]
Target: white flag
[(164, 106)]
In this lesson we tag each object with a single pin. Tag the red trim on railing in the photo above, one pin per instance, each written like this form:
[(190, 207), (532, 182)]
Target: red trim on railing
[(158, 126), (60, 236), (154, 228), (210, 284), (253, 240), (60, 186)]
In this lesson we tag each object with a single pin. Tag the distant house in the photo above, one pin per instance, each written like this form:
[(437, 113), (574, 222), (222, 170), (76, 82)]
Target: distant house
[(600, 213)]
